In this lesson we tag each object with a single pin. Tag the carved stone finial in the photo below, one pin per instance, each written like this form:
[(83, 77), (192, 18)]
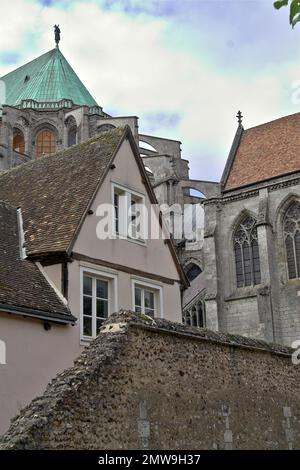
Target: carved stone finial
[(240, 118)]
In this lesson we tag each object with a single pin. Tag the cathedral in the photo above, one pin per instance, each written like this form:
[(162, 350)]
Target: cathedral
[(243, 262)]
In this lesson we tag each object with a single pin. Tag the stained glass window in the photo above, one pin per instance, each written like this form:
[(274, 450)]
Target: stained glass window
[(246, 252), (45, 143), (292, 239)]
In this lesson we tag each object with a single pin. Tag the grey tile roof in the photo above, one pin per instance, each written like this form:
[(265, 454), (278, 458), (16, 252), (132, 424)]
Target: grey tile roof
[(23, 288)]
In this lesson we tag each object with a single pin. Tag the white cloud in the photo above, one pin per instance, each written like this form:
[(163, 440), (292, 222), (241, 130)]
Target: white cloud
[(127, 65)]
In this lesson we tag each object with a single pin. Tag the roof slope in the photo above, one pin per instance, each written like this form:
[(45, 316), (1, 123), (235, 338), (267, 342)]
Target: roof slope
[(55, 191), (22, 285), (196, 287), (49, 78), (265, 152)]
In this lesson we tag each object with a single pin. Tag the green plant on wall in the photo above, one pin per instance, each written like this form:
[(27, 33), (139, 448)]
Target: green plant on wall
[(294, 9)]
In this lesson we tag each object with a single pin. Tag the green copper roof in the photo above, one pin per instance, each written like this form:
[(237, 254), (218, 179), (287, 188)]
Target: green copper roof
[(47, 79)]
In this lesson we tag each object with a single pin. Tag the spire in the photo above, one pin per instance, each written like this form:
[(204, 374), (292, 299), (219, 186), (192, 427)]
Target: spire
[(240, 118), (47, 79), (57, 34)]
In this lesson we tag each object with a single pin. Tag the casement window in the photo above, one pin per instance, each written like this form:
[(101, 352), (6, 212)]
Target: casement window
[(246, 252), (292, 239), (147, 299), (129, 217), (98, 301)]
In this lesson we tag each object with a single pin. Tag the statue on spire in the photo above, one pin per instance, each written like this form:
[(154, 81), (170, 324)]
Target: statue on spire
[(57, 34)]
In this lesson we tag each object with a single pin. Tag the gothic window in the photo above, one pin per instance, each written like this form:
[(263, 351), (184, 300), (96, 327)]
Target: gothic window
[(292, 239), (45, 143), (247, 253), (192, 271), (19, 142), (195, 316), (72, 136)]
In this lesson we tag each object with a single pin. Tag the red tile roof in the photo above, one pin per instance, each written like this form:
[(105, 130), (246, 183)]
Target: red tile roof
[(266, 151)]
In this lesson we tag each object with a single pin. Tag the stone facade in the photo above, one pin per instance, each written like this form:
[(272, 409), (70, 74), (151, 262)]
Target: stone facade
[(132, 389), (271, 309)]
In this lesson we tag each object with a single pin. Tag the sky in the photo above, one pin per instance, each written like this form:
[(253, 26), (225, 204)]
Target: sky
[(184, 67)]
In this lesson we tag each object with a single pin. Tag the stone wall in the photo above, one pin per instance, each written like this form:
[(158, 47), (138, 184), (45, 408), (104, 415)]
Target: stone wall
[(145, 385)]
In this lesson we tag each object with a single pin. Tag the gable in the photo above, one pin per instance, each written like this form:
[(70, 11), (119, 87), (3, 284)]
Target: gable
[(155, 256)]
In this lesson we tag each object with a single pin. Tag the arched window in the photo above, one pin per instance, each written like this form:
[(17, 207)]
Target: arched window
[(45, 143), (192, 271), (195, 316), (72, 136), (292, 239), (19, 142), (247, 253)]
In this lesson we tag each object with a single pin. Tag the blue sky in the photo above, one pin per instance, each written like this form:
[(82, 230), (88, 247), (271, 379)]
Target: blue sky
[(184, 67)]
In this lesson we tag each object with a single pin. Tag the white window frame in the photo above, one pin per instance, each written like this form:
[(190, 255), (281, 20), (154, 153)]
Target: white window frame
[(112, 280), (123, 213), (158, 295)]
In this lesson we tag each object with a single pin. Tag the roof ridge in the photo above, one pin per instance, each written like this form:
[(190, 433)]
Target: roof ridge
[(27, 63), (272, 121)]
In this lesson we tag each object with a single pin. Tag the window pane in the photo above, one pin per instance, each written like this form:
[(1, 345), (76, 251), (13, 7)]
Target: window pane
[(138, 296), (87, 285), (200, 315), (102, 308), (239, 265), (290, 257), (87, 326), (138, 309), (87, 306), (247, 265), (297, 249), (149, 299), (256, 262), (116, 204), (102, 289)]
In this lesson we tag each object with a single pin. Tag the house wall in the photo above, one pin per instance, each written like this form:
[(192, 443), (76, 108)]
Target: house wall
[(33, 357), (132, 389)]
